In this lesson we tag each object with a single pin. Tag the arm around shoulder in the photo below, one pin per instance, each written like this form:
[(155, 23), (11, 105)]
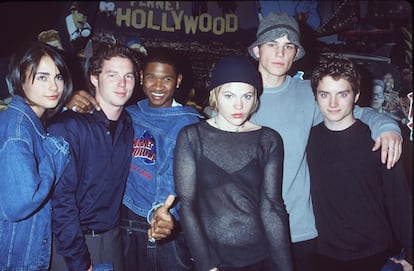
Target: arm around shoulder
[(386, 133), (377, 122)]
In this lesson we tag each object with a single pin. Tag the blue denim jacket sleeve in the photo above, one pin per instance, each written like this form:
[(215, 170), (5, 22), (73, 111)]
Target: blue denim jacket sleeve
[(28, 176)]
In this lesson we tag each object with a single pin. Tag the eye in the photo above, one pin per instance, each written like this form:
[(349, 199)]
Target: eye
[(130, 77), (248, 96), (41, 77), (290, 47), (150, 77), (59, 77)]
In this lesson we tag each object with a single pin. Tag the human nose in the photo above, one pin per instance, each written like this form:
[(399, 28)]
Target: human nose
[(122, 81), (159, 83), (53, 85), (238, 104), (279, 50), (333, 101)]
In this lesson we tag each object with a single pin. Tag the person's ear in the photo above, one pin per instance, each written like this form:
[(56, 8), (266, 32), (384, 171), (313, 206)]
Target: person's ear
[(141, 78), (256, 51), (297, 53), (94, 80), (179, 80), (357, 97)]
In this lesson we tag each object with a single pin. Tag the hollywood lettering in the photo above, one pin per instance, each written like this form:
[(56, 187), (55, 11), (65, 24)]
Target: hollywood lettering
[(140, 19)]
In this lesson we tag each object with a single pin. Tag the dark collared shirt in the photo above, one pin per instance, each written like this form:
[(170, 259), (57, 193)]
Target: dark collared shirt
[(89, 194)]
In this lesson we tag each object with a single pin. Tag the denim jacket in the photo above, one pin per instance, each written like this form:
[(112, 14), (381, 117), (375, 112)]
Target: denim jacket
[(150, 178), (31, 163)]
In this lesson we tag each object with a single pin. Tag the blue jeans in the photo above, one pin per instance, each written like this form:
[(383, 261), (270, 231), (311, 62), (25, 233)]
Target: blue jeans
[(170, 254)]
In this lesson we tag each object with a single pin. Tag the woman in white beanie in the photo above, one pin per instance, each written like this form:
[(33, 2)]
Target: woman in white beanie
[(228, 177)]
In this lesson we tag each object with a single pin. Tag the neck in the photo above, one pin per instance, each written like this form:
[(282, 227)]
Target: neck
[(111, 112), (339, 125), (271, 80), (234, 128)]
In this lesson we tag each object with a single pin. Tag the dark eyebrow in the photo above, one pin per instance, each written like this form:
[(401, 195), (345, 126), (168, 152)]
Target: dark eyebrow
[(45, 73)]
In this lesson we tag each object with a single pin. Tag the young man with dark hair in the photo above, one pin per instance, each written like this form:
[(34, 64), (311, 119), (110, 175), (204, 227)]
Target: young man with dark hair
[(288, 106), (359, 204)]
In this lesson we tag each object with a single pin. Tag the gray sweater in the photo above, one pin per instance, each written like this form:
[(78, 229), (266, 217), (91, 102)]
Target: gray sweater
[(291, 110)]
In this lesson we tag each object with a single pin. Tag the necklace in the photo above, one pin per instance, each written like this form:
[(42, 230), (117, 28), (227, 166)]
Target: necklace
[(237, 129)]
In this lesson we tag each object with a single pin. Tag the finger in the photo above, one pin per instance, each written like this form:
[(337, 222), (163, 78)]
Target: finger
[(394, 151), (390, 158), (162, 219), (95, 103), (162, 225), (398, 152), (160, 234), (83, 108), (82, 92), (151, 238), (89, 100), (163, 211), (79, 102), (377, 144), (160, 230), (169, 202), (85, 101), (72, 102), (162, 214), (396, 156), (384, 152)]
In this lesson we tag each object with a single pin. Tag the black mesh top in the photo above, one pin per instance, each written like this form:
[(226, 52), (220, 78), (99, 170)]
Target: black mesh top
[(230, 187)]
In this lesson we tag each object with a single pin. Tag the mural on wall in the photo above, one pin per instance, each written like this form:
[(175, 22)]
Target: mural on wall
[(178, 17), (203, 31)]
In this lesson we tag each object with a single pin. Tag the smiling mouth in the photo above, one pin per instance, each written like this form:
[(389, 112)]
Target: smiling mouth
[(157, 94)]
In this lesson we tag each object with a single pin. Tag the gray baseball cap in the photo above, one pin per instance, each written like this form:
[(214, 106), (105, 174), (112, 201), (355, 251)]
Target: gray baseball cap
[(274, 26)]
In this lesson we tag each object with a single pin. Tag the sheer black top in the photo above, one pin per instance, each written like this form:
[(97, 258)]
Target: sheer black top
[(230, 187)]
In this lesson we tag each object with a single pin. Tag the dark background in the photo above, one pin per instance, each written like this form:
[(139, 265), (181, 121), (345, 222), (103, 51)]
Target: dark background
[(377, 32), (23, 21)]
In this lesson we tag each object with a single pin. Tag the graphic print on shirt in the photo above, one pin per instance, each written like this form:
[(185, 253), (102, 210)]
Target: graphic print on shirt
[(144, 148)]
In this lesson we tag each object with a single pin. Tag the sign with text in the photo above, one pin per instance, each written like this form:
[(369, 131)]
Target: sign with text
[(184, 18)]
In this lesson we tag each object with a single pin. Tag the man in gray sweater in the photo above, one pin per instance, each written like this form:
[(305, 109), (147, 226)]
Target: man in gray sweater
[(288, 106)]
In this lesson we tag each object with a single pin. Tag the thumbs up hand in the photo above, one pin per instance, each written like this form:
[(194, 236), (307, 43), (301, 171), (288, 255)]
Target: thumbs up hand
[(162, 222)]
